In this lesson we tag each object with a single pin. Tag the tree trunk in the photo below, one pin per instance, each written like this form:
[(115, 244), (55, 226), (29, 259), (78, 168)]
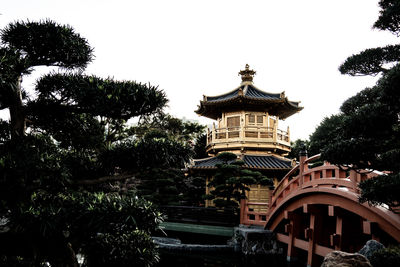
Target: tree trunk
[(65, 258), (17, 113), (72, 256)]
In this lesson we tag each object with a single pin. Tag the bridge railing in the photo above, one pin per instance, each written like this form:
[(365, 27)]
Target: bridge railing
[(303, 177), (327, 175), (251, 216)]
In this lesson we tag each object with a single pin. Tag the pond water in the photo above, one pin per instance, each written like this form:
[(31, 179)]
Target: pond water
[(216, 259), (221, 260)]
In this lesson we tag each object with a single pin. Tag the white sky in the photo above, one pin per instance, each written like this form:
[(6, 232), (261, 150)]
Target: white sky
[(190, 48)]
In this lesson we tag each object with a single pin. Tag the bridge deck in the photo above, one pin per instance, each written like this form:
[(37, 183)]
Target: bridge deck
[(198, 229)]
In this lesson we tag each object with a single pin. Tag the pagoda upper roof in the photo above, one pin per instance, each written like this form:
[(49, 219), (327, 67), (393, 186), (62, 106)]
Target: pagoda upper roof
[(248, 90), (248, 97)]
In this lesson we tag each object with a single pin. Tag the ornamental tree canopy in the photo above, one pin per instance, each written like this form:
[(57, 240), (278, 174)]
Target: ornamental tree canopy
[(63, 148), (377, 60), (232, 180), (366, 133)]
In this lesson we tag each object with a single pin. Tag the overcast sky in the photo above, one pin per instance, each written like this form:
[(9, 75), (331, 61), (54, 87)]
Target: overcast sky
[(190, 48)]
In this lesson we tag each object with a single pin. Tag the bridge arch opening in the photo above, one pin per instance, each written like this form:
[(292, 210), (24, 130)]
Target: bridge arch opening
[(314, 221)]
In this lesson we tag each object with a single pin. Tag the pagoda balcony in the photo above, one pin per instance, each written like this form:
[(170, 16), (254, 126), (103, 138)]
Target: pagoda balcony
[(257, 138)]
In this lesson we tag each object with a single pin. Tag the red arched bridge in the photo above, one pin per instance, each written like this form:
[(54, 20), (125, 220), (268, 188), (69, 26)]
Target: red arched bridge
[(315, 211)]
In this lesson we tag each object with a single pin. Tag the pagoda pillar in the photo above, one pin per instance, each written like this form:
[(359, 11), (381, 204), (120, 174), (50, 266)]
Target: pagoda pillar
[(275, 132), (213, 132)]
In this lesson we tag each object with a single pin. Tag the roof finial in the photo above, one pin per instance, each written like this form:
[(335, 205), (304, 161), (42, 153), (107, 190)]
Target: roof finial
[(247, 74)]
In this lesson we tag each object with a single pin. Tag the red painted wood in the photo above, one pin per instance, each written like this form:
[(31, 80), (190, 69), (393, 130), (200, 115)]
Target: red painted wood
[(325, 186)]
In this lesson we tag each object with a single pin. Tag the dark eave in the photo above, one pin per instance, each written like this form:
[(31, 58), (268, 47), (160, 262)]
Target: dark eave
[(251, 161)]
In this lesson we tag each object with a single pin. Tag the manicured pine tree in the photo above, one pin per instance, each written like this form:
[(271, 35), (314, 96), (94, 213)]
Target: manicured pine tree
[(62, 144), (232, 180), (366, 133)]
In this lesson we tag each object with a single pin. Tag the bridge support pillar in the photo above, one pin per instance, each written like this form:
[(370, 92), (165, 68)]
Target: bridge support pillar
[(311, 240), (369, 228), (312, 232), (293, 230), (336, 238)]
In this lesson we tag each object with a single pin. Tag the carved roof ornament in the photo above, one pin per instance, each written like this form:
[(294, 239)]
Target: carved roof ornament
[(247, 74)]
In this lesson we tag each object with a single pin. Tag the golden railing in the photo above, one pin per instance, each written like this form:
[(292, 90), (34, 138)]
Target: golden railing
[(248, 133)]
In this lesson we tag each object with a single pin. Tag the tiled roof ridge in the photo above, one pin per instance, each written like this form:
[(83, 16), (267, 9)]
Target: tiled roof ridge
[(221, 95), (278, 95), (249, 91), (251, 161)]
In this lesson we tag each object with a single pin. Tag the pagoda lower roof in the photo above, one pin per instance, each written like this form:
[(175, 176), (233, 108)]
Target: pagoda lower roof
[(267, 162), (248, 97)]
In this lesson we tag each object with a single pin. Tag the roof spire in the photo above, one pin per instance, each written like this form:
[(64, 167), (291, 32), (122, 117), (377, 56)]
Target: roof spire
[(247, 74)]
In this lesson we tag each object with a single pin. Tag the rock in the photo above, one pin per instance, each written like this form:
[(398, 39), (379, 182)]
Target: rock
[(370, 247), (344, 259), (255, 241), (4, 225)]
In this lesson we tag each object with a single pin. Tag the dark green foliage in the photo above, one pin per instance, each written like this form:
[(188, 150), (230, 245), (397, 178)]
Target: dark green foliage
[(325, 132), (27, 165), (387, 257), (232, 180), (61, 149), (200, 147), (101, 97), (161, 152), (122, 250), (5, 131), (162, 186), (166, 143), (146, 153), (226, 157), (81, 219), (371, 61), (385, 189), (389, 16), (366, 133), (194, 188), (84, 214), (47, 43), (71, 130), (165, 125), (374, 60), (297, 146)]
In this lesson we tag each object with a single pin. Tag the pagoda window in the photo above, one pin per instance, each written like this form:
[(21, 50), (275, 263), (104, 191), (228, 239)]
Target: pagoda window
[(233, 121), (253, 119), (260, 120)]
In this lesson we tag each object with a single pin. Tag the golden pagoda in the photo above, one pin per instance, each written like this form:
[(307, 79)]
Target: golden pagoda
[(247, 119), (246, 124)]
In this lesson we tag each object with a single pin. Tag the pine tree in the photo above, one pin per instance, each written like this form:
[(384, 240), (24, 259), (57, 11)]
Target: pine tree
[(232, 180), (64, 143), (366, 133)]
